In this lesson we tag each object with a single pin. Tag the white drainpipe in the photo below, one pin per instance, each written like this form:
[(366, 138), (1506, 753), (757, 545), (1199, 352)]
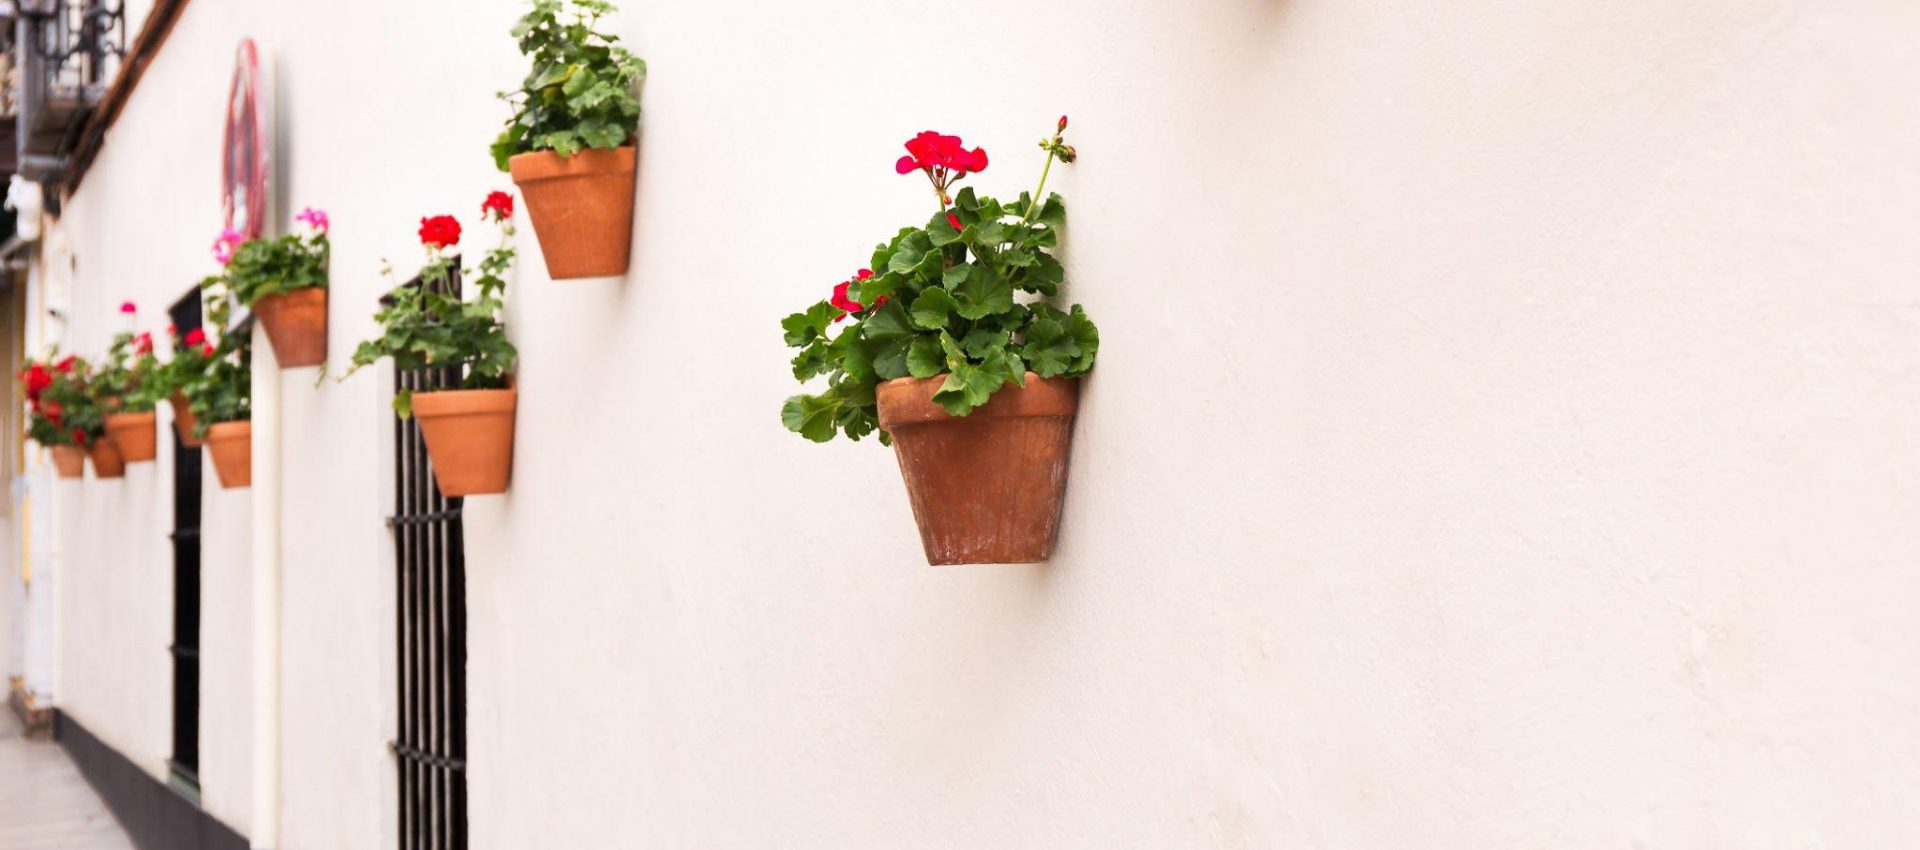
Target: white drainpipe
[(265, 811)]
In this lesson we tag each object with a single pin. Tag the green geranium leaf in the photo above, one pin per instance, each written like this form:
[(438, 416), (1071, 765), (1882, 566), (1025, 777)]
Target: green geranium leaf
[(924, 358), (804, 328), (983, 293), (1049, 349), (932, 309), (810, 416)]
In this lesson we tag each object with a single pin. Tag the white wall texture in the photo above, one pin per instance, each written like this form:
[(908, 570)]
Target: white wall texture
[(1501, 435)]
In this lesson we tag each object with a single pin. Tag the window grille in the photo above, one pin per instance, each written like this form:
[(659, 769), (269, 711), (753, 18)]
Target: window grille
[(431, 750)]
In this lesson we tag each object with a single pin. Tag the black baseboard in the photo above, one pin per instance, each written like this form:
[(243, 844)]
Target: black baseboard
[(157, 817)]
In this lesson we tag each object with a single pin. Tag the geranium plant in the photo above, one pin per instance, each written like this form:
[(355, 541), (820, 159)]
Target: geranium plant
[(963, 295), (124, 381), (580, 92), (60, 411), (425, 325), (221, 390), (260, 268)]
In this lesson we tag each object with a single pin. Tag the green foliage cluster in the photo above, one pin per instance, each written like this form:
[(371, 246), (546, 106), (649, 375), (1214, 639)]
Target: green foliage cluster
[(583, 89), (124, 381), (63, 412), (942, 301), (276, 266), (222, 390), (218, 385), (423, 325)]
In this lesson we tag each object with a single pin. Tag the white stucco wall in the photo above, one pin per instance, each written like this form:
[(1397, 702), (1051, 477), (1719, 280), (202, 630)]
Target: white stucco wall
[(1499, 439)]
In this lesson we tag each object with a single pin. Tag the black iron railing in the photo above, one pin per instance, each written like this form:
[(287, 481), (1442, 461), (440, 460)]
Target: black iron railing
[(66, 53), (429, 552)]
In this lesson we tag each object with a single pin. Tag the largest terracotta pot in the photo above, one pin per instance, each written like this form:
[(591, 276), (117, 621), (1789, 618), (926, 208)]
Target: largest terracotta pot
[(296, 324), (581, 207), (107, 462), (133, 435), (231, 446), (469, 435), (69, 461), (986, 488)]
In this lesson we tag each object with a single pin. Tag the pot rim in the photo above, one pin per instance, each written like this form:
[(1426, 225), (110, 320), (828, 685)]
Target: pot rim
[(304, 293), (464, 402), (229, 428), (909, 401), (534, 166), (125, 417)]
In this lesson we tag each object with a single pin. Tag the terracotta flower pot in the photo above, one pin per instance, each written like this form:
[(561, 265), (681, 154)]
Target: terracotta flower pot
[(107, 462), (469, 436), (231, 446), (69, 461), (183, 421), (986, 488), (296, 324), (133, 435), (581, 207)]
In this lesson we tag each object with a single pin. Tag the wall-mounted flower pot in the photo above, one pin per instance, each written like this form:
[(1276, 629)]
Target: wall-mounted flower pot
[(296, 324), (133, 435), (107, 462), (183, 421), (469, 435), (986, 488), (230, 444), (581, 207), (69, 461)]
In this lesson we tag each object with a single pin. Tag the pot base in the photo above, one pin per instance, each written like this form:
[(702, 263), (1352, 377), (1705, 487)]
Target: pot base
[(986, 488), (469, 436), (133, 434), (296, 324), (581, 207), (231, 446)]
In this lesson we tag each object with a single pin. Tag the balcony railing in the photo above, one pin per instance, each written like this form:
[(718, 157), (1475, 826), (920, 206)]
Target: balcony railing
[(66, 53)]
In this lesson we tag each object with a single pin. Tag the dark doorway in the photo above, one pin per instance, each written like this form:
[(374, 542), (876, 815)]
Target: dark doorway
[(185, 763)]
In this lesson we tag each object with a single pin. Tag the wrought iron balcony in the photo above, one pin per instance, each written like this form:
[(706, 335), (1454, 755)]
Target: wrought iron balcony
[(64, 55)]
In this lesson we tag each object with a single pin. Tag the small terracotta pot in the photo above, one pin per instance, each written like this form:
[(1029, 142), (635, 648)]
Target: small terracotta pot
[(133, 435), (581, 207), (183, 421), (69, 461), (231, 446), (296, 324), (986, 488), (469, 436), (107, 462)]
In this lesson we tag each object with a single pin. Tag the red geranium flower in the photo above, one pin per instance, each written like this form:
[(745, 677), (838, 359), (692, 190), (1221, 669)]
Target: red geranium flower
[(79, 438), (848, 305), (52, 410), (498, 205), (196, 336), (955, 221), (127, 307), (37, 379), (930, 150), (440, 231), (173, 332), (65, 365), (143, 344), (206, 350)]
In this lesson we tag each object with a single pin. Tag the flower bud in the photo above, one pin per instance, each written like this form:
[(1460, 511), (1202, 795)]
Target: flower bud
[(1063, 125)]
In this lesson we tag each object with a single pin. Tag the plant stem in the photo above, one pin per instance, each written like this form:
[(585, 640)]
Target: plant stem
[(1039, 192)]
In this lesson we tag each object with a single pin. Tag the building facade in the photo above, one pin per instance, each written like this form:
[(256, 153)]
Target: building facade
[(1499, 439)]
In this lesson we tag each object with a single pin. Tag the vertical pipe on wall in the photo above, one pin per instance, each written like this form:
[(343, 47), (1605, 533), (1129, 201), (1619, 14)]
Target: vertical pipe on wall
[(265, 808)]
